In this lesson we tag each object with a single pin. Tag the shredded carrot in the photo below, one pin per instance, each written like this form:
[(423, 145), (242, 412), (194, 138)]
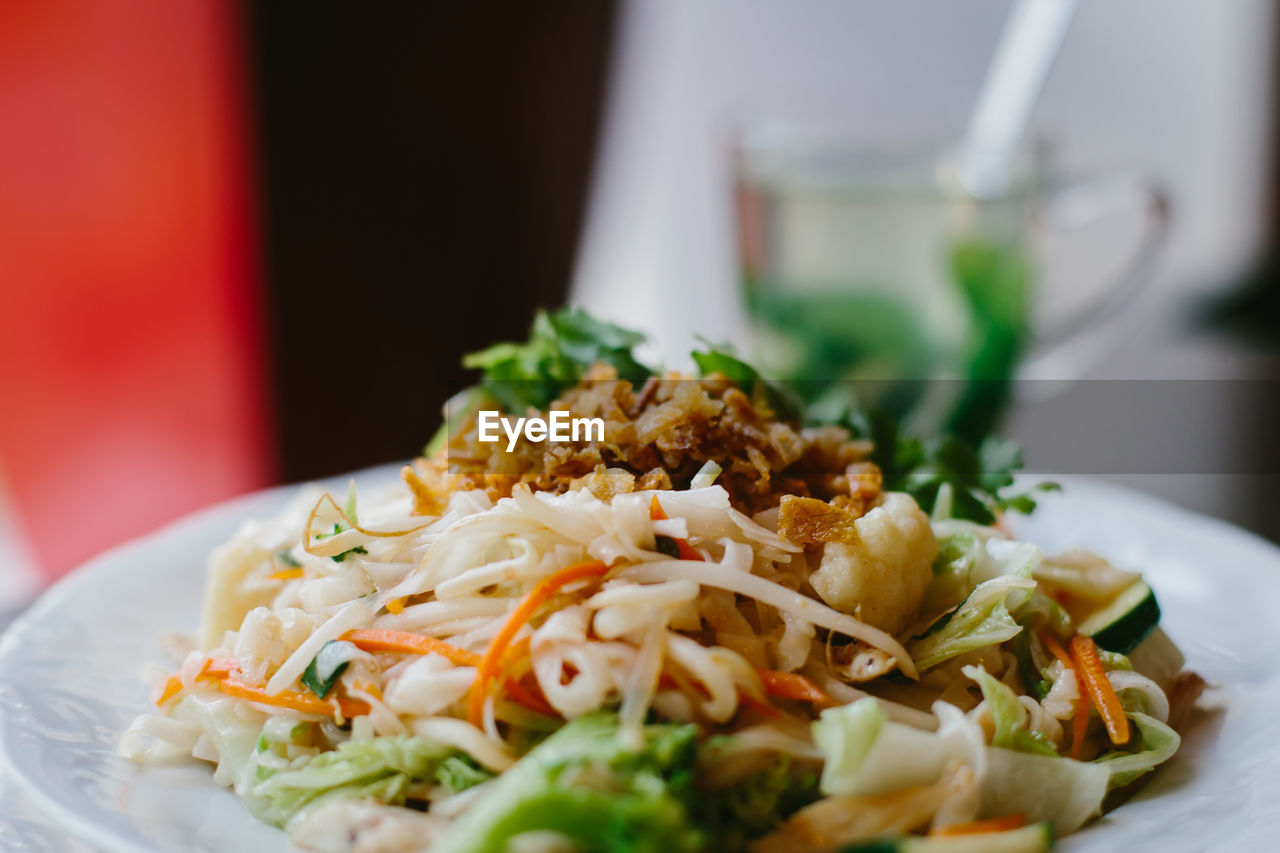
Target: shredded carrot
[(213, 668), (667, 681), (303, 702), (171, 688), (403, 642), (287, 574), (792, 685), (529, 699), (368, 687), (395, 605), (1017, 820), (1089, 666), (687, 551), (1080, 722), (749, 701), (1055, 648), (382, 640), (492, 663)]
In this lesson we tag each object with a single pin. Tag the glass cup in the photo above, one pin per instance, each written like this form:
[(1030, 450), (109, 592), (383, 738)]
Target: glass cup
[(877, 269)]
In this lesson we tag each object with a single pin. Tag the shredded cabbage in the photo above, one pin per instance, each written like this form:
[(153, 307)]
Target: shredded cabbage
[(382, 768), (1009, 716), (583, 783), (982, 620), (1059, 790), (1159, 743), (866, 754)]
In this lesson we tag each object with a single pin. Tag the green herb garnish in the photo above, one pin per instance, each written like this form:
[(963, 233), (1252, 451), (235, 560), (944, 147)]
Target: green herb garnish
[(563, 345), (327, 667), (338, 558)]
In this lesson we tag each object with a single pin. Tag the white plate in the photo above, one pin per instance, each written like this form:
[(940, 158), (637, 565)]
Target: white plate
[(69, 680)]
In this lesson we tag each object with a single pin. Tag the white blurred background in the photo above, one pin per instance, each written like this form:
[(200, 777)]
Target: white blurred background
[(1180, 90)]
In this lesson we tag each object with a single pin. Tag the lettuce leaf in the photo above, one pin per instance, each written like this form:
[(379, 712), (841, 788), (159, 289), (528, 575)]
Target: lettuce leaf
[(867, 754), (982, 620), (381, 768), (1009, 716), (460, 772), (1158, 744), (1059, 790), (755, 806), (586, 784)]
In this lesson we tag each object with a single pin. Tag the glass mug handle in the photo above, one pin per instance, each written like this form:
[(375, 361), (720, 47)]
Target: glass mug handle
[(1069, 347)]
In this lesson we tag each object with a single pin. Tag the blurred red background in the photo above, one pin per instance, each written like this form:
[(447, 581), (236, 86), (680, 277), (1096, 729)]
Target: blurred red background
[(130, 367), (229, 229)]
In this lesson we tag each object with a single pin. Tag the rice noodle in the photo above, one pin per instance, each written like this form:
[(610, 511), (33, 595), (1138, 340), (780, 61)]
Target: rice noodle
[(351, 615), (642, 682), (489, 752), (1156, 701), (732, 575), (691, 640), (433, 613)]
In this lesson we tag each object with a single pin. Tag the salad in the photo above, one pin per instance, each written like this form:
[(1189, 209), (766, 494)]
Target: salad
[(731, 623)]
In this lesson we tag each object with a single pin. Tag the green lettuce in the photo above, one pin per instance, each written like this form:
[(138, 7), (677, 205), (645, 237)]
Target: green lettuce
[(562, 347), (460, 772), (1009, 716), (385, 769), (587, 784), (756, 805), (1157, 744), (982, 620), (867, 754), (1059, 790)]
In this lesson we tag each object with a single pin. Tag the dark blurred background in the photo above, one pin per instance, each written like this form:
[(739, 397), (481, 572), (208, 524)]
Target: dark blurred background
[(424, 176), (247, 243)]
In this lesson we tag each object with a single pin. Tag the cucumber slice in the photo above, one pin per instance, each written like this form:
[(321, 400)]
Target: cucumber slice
[(1036, 838), (1126, 621)]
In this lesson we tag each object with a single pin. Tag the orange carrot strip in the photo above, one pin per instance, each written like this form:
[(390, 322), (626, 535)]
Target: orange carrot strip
[(1085, 654), (1017, 820), (666, 681), (292, 700), (687, 551), (220, 667), (529, 699), (287, 574), (1079, 723), (748, 701), (403, 642), (520, 693), (519, 651), (792, 685), (1055, 648), (171, 688), (213, 668), (383, 640), (491, 664)]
